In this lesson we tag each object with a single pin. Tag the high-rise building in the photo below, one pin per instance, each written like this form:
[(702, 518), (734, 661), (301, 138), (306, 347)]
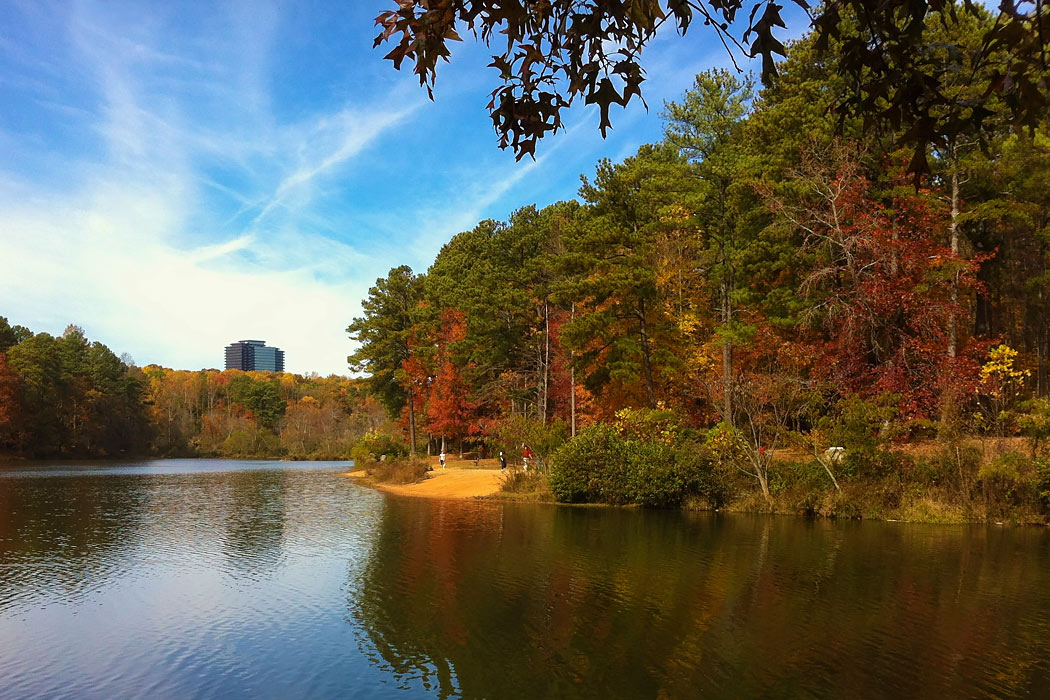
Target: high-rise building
[(250, 355)]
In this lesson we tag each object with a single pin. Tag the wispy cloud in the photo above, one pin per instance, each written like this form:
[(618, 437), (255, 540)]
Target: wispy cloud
[(112, 252), (174, 177), (341, 137)]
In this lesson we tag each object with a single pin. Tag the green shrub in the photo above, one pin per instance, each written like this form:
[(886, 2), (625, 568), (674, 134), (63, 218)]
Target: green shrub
[(873, 464), (374, 446), (956, 463), (1035, 423), (581, 462), (653, 477), (1007, 468), (862, 425), (1042, 482), (930, 471), (251, 441), (1006, 483), (704, 475), (600, 466)]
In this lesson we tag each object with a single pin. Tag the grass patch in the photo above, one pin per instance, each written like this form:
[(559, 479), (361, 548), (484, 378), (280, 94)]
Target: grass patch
[(525, 485), (399, 471)]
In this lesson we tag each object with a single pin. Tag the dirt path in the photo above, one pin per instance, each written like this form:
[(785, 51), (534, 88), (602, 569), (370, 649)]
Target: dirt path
[(447, 483)]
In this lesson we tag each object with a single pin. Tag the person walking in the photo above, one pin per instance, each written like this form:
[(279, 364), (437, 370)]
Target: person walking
[(441, 458), (526, 455), (502, 461)]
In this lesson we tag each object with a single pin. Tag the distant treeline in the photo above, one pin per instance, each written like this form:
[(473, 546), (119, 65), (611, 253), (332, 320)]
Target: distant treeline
[(67, 397)]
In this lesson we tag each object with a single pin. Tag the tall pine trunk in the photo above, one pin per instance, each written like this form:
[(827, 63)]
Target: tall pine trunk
[(953, 241), (727, 359), (572, 383), (546, 359), (411, 423), (647, 365)]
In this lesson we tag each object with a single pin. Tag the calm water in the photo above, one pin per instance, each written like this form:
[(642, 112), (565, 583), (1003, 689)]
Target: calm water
[(224, 579)]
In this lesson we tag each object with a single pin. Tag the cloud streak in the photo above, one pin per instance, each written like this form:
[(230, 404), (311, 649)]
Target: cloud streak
[(176, 177), (114, 251)]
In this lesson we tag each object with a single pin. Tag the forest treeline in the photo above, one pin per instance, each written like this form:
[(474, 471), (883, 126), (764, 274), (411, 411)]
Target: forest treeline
[(767, 282), (67, 397)]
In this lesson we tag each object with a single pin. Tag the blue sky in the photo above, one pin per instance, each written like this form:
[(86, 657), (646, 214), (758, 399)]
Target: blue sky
[(176, 176)]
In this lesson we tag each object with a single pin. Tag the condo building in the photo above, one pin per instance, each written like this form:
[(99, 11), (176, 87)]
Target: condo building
[(254, 355)]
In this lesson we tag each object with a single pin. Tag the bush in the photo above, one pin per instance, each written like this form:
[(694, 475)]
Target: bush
[(1035, 423), (374, 446), (1042, 483), (583, 465), (524, 482), (1006, 483), (864, 427), (955, 463), (398, 471), (600, 466)]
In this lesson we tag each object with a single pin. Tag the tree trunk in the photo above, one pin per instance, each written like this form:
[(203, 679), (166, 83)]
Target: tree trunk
[(953, 240), (572, 383), (1041, 352), (763, 481), (647, 366), (546, 359), (411, 423), (727, 361)]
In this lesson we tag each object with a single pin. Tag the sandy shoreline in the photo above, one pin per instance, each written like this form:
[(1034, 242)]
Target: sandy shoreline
[(444, 483)]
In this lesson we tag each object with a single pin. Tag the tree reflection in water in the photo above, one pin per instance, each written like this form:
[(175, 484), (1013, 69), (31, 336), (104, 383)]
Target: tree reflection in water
[(254, 520), (66, 535), (493, 600)]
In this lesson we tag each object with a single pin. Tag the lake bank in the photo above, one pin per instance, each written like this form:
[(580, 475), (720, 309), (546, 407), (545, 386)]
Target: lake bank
[(890, 499), (453, 482)]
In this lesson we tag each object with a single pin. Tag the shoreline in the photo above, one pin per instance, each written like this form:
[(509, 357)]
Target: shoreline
[(459, 483), (451, 483)]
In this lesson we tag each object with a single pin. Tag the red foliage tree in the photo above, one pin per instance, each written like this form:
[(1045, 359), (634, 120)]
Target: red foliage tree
[(879, 285), (451, 409)]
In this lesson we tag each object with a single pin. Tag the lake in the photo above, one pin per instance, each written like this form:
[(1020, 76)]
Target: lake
[(241, 579)]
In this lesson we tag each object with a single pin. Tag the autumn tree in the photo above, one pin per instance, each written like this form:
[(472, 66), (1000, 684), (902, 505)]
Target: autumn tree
[(621, 331), (383, 334), (503, 276), (451, 411), (877, 282), (701, 127)]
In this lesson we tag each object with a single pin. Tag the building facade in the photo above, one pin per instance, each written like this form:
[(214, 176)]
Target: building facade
[(254, 355)]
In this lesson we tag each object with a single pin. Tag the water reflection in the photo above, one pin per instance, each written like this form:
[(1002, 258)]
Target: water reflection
[(287, 581), (63, 538), (507, 601), (254, 520)]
